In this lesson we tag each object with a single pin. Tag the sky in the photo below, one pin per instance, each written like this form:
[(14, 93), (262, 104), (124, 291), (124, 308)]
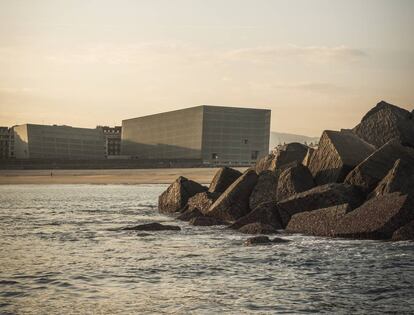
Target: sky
[(317, 64)]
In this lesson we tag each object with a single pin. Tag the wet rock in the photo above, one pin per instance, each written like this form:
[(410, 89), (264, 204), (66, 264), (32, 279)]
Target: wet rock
[(337, 154), (288, 153), (308, 157), (372, 170), (258, 228), (386, 122), (378, 218), (293, 180), (265, 189), (266, 213), (189, 214), (223, 179), (404, 233), (261, 240), (320, 222), (206, 221), (257, 240), (152, 227), (234, 202), (318, 198), (399, 179), (176, 196), (143, 234)]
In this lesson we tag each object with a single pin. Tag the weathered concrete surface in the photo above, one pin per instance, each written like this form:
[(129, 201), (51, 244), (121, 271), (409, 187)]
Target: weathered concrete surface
[(291, 152), (177, 195), (266, 213), (378, 218), (308, 157), (265, 163), (337, 154), (234, 202), (320, 222), (223, 179), (206, 221), (152, 227), (399, 179), (404, 233), (386, 122), (318, 198), (258, 228), (265, 189), (293, 180), (202, 201), (372, 170)]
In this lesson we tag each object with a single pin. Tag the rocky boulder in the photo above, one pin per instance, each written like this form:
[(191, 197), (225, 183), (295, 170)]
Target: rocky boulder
[(372, 170), (262, 240), (266, 213), (318, 198), (152, 227), (337, 154), (399, 179), (234, 202), (176, 196), (206, 221), (404, 233), (320, 222), (258, 228), (187, 215), (386, 122), (288, 153), (378, 218), (265, 189), (224, 177), (293, 180)]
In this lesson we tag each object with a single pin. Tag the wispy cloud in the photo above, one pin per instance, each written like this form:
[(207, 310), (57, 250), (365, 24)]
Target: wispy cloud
[(153, 51), (307, 53)]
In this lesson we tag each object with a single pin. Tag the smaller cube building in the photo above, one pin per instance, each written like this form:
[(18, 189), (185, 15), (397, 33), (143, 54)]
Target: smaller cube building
[(58, 142)]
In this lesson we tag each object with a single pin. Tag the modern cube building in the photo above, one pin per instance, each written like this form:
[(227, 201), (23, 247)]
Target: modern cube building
[(211, 134), (58, 142)]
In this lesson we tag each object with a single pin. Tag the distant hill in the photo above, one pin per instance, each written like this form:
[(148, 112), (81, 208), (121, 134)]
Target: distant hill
[(277, 138)]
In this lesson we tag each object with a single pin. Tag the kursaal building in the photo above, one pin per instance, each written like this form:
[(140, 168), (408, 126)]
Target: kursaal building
[(210, 134)]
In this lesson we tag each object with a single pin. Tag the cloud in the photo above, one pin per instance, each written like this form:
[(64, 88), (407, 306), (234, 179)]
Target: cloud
[(110, 53), (314, 87), (318, 54)]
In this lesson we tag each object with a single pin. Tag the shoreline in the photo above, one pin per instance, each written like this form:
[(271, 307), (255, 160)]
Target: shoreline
[(105, 176)]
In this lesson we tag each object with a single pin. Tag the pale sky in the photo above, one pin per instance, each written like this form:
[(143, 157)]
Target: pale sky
[(316, 64)]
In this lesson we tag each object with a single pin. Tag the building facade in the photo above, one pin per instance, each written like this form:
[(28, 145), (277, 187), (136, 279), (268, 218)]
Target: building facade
[(57, 142), (112, 137), (211, 134), (4, 142)]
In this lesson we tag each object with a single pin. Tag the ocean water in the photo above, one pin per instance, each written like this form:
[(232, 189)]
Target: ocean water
[(61, 253)]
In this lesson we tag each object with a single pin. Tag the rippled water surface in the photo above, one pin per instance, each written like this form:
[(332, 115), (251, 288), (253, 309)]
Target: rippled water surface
[(61, 254)]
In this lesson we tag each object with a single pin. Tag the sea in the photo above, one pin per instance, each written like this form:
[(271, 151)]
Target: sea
[(62, 252)]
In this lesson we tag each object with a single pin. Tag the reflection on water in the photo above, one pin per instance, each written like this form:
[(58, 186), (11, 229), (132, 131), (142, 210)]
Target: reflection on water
[(60, 254)]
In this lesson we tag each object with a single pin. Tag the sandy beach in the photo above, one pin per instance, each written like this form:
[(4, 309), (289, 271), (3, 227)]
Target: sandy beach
[(123, 176)]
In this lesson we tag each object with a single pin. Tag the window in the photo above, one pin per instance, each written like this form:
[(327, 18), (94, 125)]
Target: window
[(214, 156), (255, 155), (245, 141)]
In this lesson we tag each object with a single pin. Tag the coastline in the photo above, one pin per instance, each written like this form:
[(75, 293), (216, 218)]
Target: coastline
[(103, 177)]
